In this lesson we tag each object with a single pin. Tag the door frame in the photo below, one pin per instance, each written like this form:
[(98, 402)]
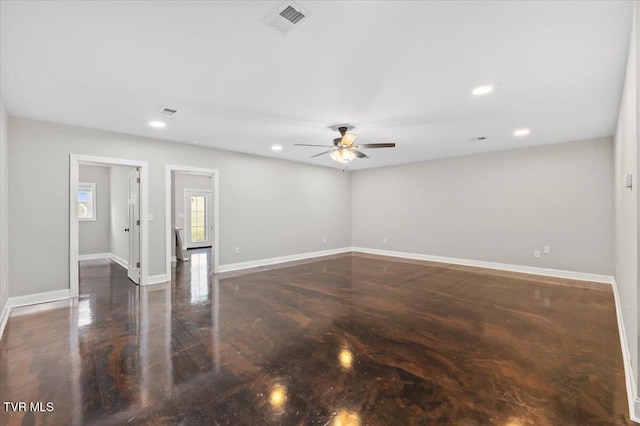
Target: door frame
[(209, 223), (215, 244), (133, 270), (74, 171)]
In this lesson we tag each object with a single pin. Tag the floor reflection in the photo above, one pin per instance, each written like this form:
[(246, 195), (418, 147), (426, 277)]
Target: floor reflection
[(199, 279)]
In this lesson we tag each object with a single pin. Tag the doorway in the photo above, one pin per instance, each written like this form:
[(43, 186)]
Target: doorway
[(135, 200), (191, 212)]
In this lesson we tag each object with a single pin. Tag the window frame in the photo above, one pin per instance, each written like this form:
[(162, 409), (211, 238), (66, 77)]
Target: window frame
[(92, 186)]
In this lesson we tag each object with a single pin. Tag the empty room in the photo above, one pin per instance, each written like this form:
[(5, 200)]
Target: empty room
[(319, 212)]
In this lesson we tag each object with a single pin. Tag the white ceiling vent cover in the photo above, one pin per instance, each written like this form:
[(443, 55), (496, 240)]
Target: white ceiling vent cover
[(286, 17)]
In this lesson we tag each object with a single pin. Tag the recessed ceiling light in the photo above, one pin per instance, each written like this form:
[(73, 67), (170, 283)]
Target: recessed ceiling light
[(276, 147), (195, 142), (482, 90), (157, 124), (521, 132)]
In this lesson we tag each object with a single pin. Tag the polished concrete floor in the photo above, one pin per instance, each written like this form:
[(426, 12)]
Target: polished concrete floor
[(346, 340)]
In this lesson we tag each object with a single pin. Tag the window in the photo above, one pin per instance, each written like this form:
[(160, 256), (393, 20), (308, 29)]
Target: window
[(198, 219), (86, 201)]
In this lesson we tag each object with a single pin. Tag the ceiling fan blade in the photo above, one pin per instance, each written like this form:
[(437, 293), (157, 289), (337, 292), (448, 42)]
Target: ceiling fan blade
[(322, 153), (306, 144), (359, 154), (376, 145)]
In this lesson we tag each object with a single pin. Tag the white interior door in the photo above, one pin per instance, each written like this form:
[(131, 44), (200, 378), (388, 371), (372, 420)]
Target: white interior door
[(198, 224), (134, 226)]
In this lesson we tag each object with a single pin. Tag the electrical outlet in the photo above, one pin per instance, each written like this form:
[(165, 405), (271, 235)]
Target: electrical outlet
[(238, 250), (384, 241), (324, 240), (547, 249), (536, 253)]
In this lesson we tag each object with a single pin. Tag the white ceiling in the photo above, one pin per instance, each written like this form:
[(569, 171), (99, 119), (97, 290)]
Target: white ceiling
[(398, 71)]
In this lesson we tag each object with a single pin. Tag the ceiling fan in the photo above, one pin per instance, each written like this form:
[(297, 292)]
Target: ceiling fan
[(344, 150)]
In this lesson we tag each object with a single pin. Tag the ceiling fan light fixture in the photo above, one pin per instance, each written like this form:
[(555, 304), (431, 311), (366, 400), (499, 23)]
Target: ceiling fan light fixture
[(343, 155)]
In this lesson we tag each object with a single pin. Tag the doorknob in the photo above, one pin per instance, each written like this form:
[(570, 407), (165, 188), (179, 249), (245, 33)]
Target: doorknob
[(126, 229)]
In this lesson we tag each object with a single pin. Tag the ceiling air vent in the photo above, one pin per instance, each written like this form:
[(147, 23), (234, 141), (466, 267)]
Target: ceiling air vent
[(286, 17), (167, 111)]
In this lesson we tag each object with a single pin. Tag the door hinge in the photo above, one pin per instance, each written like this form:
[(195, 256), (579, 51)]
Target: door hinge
[(138, 222), (137, 180), (138, 265)]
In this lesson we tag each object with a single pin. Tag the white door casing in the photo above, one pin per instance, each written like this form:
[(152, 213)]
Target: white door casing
[(215, 211), (134, 226), (74, 165)]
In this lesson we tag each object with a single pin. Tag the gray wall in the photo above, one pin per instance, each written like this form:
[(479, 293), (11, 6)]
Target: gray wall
[(496, 207), (180, 182), (268, 207), (94, 235), (626, 203), (118, 238), (4, 208)]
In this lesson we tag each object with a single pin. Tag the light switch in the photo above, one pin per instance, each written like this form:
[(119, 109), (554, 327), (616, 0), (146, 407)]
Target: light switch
[(628, 181), (150, 217)]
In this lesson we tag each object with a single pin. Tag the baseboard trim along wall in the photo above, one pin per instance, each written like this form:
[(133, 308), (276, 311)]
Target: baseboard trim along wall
[(93, 256), (30, 299), (4, 316), (157, 279), (282, 259), (581, 276), (120, 261), (632, 394)]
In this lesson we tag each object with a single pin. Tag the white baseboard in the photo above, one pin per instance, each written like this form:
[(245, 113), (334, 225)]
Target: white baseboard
[(120, 261), (93, 256), (157, 279), (630, 381), (4, 316), (32, 299), (274, 260), (581, 276), (174, 259)]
